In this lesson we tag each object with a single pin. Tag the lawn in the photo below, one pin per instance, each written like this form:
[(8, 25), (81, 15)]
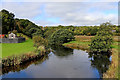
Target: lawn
[(9, 49)]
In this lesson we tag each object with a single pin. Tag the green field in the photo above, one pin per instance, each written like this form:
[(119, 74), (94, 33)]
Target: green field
[(9, 49)]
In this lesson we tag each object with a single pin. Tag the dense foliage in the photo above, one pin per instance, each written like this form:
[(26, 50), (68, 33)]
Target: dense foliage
[(103, 40), (48, 31), (10, 24), (61, 36), (86, 30), (7, 21), (28, 28), (39, 41)]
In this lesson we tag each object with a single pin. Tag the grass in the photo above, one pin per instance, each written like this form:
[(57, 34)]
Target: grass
[(78, 42), (19, 53), (77, 45), (88, 38), (83, 38), (115, 66), (10, 49), (115, 45)]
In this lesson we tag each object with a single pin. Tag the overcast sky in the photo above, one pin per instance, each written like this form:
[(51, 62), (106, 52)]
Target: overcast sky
[(69, 12)]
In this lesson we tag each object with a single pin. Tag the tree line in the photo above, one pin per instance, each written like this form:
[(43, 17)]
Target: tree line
[(25, 26), (10, 23)]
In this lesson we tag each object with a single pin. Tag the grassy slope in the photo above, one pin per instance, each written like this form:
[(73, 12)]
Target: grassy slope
[(9, 49)]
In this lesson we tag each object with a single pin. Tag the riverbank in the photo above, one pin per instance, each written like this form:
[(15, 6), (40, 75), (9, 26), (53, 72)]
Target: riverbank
[(18, 53), (113, 71), (24, 66), (21, 59), (82, 42)]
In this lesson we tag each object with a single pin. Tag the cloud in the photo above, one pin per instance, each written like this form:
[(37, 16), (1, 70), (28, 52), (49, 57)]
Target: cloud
[(82, 13), (65, 13), (23, 10), (60, 0)]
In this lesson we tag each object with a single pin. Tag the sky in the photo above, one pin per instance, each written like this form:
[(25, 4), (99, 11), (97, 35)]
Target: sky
[(64, 12)]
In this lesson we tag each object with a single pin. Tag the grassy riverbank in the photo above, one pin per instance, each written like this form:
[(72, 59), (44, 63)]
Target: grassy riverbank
[(21, 59), (10, 49), (19, 53), (24, 66), (82, 42), (77, 45), (114, 68)]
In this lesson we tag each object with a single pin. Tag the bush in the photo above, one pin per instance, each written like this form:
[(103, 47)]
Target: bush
[(14, 31), (116, 34), (61, 36), (22, 35), (41, 49), (39, 41), (103, 40)]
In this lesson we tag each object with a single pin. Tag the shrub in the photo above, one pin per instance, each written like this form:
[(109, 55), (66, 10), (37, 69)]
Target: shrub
[(61, 36), (39, 41), (14, 31), (22, 35), (103, 40), (88, 34), (41, 49)]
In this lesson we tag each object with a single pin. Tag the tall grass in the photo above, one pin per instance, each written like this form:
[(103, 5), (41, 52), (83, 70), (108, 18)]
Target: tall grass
[(112, 72), (83, 38), (17, 60), (88, 38), (77, 45), (24, 66)]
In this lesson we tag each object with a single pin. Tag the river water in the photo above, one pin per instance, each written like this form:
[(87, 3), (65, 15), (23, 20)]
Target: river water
[(61, 63)]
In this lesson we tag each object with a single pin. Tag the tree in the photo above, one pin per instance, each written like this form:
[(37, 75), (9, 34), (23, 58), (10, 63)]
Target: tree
[(48, 32), (39, 41), (103, 40), (28, 28), (7, 21), (61, 36)]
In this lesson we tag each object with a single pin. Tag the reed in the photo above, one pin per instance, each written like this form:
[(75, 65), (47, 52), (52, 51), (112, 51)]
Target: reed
[(17, 60)]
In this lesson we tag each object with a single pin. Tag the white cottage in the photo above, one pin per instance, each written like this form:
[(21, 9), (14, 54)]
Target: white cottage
[(12, 35)]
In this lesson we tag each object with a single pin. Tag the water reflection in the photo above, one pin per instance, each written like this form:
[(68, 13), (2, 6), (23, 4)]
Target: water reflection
[(18, 68), (101, 62), (62, 51)]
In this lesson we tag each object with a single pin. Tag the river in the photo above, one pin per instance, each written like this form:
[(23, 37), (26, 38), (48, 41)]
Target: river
[(61, 63)]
